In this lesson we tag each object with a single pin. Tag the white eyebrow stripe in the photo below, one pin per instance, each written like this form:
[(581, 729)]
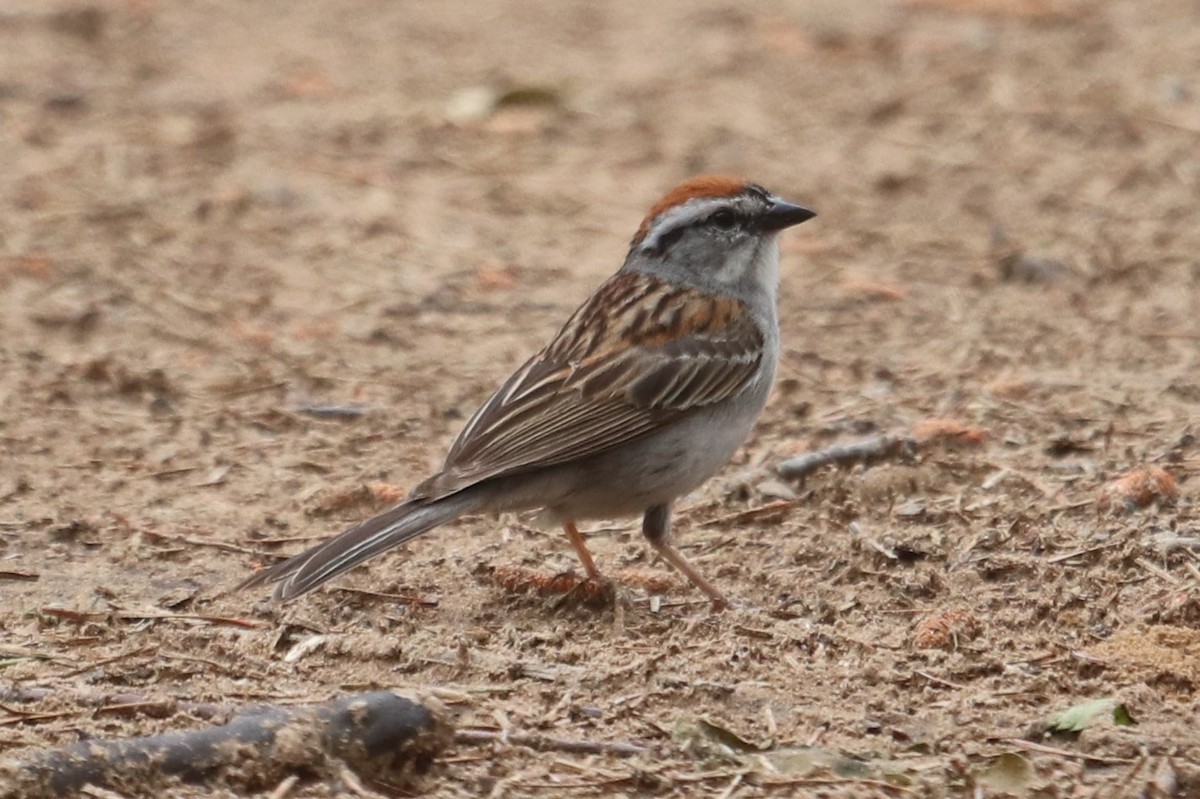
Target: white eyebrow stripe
[(681, 216)]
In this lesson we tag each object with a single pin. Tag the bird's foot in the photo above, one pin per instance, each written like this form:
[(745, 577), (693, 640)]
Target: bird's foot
[(595, 591)]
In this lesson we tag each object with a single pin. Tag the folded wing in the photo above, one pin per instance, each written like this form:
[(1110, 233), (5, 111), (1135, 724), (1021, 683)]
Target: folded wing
[(639, 354)]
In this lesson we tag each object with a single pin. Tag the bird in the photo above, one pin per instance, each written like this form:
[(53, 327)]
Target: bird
[(649, 388)]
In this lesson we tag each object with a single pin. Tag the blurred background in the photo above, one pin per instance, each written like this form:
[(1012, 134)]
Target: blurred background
[(254, 256)]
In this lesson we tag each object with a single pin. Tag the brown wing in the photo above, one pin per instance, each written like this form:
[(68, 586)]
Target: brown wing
[(638, 354)]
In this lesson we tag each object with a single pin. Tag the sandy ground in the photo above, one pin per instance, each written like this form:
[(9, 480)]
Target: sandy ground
[(222, 217)]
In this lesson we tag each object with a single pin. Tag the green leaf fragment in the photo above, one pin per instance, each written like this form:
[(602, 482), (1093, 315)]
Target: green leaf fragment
[(1087, 714)]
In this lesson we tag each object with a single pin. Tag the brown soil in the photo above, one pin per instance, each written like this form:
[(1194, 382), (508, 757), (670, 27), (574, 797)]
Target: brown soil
[(218, 216)]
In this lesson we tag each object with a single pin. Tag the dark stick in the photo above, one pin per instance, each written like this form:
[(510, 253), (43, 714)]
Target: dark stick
[(867, 452), (380, 736)]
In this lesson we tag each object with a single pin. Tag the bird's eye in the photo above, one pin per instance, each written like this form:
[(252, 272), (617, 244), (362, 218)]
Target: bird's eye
[(724, 219)]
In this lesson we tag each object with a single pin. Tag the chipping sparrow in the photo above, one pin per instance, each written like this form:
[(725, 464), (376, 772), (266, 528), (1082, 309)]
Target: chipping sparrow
[(648, 390)]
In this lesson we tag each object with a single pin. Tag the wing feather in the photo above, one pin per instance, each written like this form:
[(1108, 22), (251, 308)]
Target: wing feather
[(640, 353)]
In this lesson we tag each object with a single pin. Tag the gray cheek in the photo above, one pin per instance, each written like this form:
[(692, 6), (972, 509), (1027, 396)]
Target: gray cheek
[(738, 264), (751, 266)]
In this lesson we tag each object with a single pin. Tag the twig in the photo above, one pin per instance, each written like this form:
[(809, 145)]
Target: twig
[(1129, 777), (9, 653), (1162, 574), (551, 743), (868, 451), (1167, 123), (27, 577), (124, 615), (212, 664), (768, 511), (333, 411), (938, 680), (679, 603), (733, 786), (149, 707), (146, 650), (254, 389), (1030, 746), (290, 539), (173, 472), (1083, 503), (20, 716), (284, 788), (1079, 552), (117, 704), (573, 786), (100, 793), (353, 784), (199, 542), (405, 599), (816, 782)]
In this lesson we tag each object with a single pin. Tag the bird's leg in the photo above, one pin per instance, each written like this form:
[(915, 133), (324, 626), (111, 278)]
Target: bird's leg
[(656, 526), (581, 549), (596, 589)]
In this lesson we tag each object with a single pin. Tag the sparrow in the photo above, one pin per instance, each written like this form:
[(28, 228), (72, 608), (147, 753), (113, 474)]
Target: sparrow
[(649, 388)]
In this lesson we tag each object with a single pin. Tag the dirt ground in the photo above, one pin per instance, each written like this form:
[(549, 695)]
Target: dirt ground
[(259, 261)]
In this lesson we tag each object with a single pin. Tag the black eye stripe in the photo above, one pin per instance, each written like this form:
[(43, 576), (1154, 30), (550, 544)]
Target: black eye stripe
[(724, 218), (669, 227)]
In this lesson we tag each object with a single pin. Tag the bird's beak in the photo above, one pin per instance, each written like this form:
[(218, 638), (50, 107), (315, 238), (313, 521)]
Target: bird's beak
[(783, 214)]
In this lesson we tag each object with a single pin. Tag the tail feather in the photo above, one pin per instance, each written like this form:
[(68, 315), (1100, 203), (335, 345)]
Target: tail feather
[(302, 573)]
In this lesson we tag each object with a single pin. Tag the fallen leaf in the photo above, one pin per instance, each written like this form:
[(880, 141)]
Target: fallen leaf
[(1078, 718), (1008, 773), (946, 630), (948, 431), (369, 496), (1139, 488), (387, 493), (722, 734), (706, 739)]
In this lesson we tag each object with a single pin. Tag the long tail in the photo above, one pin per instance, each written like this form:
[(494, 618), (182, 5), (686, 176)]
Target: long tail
[(302, 573)]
